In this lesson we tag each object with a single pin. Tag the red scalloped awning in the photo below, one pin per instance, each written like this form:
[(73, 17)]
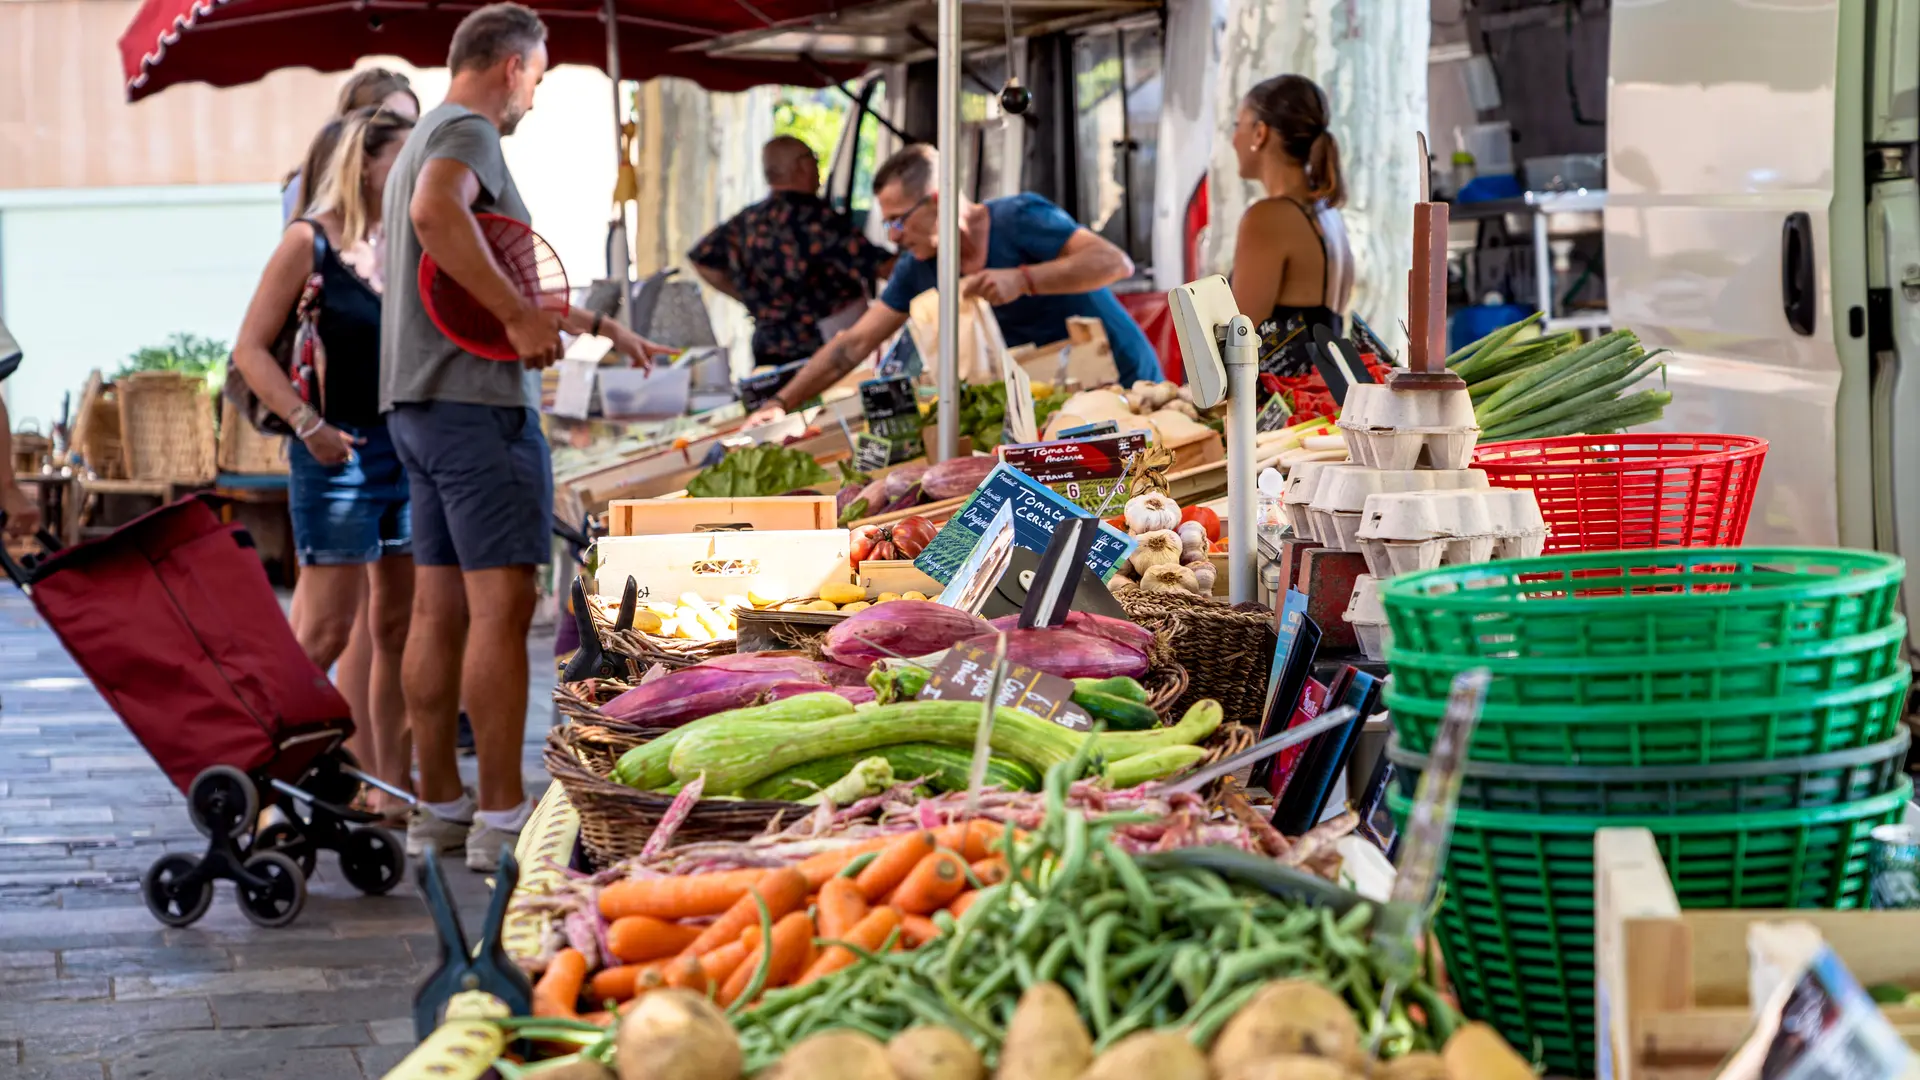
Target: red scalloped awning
[(231, 42)]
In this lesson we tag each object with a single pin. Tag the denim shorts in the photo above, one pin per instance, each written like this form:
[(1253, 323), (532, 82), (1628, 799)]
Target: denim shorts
[(351, 514), (482, 484)]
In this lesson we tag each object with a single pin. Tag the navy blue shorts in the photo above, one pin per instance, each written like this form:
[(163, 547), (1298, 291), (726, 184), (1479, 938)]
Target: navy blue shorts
[(351, 514), (482, 484)]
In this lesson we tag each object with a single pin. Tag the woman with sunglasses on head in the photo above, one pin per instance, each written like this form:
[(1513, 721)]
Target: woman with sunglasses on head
[(1292, 268), (347, 492), (364, 89)]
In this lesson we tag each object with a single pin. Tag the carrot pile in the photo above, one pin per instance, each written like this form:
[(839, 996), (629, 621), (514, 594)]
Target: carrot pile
[(703, 932)]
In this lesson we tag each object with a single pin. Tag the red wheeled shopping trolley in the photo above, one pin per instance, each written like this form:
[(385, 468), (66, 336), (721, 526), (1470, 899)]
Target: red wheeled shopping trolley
[(173, 620)]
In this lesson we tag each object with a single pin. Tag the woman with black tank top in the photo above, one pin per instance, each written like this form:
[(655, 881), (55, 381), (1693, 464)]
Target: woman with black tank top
[(347, 492), (1292, 269)]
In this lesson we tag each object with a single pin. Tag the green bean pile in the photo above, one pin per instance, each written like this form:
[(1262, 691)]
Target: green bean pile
[(1185, 950)]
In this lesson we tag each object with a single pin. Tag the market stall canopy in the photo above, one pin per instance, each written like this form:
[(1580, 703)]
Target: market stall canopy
[(231, 42), (902, 30)]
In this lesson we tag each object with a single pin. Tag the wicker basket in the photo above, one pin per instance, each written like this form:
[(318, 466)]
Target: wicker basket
[(245, 451), (166, 427), (616, 820), (1226, 651), (96, 430)]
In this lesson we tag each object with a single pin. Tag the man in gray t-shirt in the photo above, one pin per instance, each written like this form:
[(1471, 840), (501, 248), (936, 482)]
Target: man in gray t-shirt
[(477, 466)]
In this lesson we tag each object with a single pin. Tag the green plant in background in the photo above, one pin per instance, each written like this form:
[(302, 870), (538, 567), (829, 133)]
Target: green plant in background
[(816, 118), (188, 354)]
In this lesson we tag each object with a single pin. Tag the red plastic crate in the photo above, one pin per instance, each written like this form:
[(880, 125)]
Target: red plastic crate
[(1607, 492)]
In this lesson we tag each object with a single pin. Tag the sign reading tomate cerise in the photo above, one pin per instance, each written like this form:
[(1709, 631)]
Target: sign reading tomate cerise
[(1086, 471), (1037, 510)]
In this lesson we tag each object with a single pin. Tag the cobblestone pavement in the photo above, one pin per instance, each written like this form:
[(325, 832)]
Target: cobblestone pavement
[(92, 986)]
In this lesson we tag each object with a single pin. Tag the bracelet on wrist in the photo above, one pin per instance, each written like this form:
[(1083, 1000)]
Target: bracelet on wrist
[(312, 429), (1026, 275), (598, 319)]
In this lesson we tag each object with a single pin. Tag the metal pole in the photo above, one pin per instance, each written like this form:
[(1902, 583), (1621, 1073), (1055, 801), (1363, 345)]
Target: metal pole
[(947, 373), (1242, 359), (619, 259)]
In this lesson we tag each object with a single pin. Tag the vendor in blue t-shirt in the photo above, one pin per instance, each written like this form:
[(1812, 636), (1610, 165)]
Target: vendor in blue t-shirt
[(1022, 254)]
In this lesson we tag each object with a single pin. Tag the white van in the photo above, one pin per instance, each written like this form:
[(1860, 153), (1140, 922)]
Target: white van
[(1763, 223)]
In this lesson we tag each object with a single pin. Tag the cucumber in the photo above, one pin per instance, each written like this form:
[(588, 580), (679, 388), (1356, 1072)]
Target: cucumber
[(1119, 686), (740, 753), (646, 767), (945, 768), (1119, 713), (1152, 765)]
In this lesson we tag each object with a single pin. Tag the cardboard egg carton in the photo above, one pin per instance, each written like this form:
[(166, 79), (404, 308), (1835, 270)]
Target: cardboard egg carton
[(1368, 617), (1406, 429), (1302, 483), (1402, 532), (1340, 496)]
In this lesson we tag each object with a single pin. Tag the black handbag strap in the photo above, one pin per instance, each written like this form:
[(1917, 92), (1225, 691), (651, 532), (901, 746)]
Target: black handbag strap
[(319, 243)]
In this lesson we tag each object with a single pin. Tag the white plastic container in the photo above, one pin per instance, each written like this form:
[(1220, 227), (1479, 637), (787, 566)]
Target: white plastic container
[(1519, 530), (1345, 491), (1405, 429), (1368, 617)]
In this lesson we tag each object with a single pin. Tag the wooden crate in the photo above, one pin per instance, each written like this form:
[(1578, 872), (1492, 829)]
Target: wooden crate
[(896, 576), (718, 564), (652, 517), (1672, 984)]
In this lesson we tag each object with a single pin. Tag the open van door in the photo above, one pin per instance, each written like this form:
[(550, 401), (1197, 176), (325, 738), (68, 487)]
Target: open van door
[(1736, 237), (1893, 277)]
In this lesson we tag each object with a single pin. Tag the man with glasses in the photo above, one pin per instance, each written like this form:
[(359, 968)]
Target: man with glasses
[(801, 267), (1022, 254)]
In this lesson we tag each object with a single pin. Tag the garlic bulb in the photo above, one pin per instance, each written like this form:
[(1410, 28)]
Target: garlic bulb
[(1160, 393), (1117, 580), (1184, 408), (1203, 574), (1193, 540), (1164, 579), (1150, 512), (1160, 547)]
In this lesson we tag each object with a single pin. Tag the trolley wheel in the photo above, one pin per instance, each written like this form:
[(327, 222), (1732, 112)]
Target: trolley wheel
[(280, 901), (329, 782), (169, 903), (287, 839), (222, 800), (373, 859)]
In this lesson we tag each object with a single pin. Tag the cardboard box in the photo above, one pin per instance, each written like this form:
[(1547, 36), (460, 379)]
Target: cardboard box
[(776, 563), (654, 517), (1672, 985)]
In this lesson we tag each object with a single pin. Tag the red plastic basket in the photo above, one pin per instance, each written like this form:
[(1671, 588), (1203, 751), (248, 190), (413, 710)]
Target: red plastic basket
[(529, 263), (1606, 492)]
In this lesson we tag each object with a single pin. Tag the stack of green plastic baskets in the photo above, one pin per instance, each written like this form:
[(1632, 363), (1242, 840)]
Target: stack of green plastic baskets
[(1743, 704)]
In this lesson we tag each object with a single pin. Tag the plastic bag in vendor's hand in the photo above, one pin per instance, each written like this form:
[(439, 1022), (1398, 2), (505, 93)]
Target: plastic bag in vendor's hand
[(702, 690)]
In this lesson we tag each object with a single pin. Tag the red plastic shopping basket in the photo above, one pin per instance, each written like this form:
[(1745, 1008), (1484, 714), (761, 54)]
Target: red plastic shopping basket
[(1605, 492)]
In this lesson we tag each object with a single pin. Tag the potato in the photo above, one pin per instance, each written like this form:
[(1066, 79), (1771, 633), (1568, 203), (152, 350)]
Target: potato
[(913, 594), (857, 605), (675, 1034), (1046, 1040), (1421, 1066), (1159, 1055), (1292, 1016), (820, 605), (885, 597), (842, 592), (934, 1053), (1290, 1067), (1478, 1051), (833, 1055)]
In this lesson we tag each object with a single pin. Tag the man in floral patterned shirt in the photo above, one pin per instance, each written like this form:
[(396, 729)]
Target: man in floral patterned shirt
[(792, 259)]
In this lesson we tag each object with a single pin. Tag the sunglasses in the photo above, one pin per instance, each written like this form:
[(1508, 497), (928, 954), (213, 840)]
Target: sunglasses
[(898, 224)]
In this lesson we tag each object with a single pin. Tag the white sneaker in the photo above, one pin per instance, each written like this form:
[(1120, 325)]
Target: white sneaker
[(426, 829), (484, 843)]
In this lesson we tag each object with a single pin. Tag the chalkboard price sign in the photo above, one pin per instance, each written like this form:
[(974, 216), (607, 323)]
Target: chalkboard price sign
[(1037, 510)]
